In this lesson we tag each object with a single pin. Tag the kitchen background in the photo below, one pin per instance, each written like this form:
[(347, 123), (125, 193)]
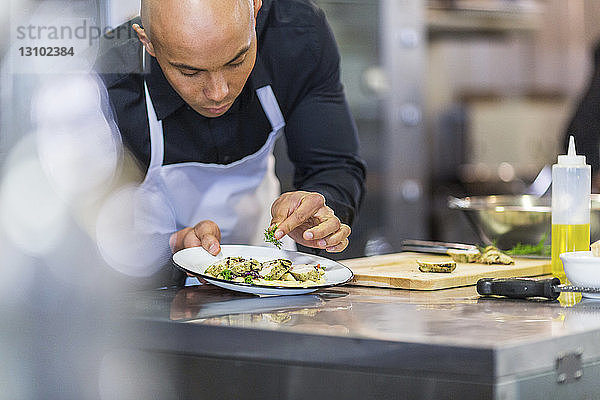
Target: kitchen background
[(451, 98)]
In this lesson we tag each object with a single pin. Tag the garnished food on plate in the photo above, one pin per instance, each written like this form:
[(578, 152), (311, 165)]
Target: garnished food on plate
[(273, 270), (278, 272), (440, 266)]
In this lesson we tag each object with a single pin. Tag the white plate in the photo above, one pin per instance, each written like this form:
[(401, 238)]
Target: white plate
[(196, 260)]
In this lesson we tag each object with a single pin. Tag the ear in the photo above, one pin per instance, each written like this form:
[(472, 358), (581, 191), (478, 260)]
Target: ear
[(257, 5), (141, 33)]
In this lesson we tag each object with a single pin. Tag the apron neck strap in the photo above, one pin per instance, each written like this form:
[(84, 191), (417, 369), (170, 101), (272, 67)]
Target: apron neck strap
[(157, 145), (265, 95), (260, 80), (271, 107)]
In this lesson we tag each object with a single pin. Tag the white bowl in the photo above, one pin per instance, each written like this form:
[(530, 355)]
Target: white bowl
[(582, 269)]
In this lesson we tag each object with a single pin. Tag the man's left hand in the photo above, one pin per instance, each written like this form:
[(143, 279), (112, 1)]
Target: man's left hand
[(306, 219)]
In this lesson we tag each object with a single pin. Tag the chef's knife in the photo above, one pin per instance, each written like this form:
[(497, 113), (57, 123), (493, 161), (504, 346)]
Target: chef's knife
[(521, 288), (428, 246)]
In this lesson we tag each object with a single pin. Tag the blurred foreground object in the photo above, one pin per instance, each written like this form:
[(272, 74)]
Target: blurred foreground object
[(60, 160)]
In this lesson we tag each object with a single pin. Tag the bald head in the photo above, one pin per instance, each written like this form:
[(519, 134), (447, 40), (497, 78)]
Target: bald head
[(168, 21), (206, 48)]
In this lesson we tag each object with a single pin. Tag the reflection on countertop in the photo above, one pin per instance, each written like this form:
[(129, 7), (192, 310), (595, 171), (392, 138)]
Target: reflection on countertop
[(446, 317)]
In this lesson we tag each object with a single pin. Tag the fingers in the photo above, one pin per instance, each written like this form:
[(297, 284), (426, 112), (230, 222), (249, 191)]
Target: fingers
[(337, 241), (283, 206), (305, 217), (205, 234), (339, 247), (328, 224), (308, 206), (177, 240), (208, 235), (333, 243), (190, 240)]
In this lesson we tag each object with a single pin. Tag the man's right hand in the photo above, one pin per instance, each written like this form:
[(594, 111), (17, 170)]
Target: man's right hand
[(205, 234)]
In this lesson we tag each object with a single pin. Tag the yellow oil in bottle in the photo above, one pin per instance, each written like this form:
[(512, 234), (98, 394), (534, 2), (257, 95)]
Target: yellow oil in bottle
[(567, 237), (569, 299)]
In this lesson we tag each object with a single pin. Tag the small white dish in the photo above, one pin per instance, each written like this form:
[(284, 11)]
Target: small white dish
[(196, 260), (582, 269)]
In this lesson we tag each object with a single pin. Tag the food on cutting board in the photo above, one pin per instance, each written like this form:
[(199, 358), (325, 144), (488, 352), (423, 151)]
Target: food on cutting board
[(440, 266), (279, 272), (595, 247), (464, 256), (489, 255)]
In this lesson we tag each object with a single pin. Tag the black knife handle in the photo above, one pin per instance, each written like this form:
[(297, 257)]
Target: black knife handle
[(518, 288)]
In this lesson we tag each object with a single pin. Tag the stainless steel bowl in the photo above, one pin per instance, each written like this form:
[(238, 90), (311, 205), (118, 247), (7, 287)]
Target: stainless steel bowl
[(511, 219)]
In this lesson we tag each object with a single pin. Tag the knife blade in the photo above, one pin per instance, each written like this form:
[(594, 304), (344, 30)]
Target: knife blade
[(428, 246), (521, 288)]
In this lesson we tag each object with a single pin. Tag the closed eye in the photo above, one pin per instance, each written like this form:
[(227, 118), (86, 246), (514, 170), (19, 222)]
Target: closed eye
[(238, 61), (188, 73)]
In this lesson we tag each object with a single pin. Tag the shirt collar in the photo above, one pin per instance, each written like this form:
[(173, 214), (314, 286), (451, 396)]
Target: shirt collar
[(261, 18), (164, 98), (259, 76)]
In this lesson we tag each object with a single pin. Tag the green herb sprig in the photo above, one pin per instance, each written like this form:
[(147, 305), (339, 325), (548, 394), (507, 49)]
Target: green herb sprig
[(270, 237), (226, 274)]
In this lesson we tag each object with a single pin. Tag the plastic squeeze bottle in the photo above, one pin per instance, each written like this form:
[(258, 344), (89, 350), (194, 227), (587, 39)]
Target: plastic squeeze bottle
[(571, 188)]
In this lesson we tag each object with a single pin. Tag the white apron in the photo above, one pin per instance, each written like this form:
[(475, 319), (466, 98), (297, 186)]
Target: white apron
[(236, 196)]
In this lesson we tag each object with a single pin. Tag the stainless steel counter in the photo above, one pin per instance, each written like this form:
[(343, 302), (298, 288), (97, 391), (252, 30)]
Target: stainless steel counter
[(435, 344)]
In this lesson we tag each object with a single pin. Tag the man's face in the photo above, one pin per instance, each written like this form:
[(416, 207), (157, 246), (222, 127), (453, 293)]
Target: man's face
[(208, 63)]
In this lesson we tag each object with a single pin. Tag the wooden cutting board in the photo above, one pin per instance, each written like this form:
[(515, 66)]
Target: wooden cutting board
[(400, 270)]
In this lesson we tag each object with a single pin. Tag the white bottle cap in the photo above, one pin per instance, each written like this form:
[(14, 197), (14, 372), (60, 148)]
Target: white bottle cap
[(571, 158)]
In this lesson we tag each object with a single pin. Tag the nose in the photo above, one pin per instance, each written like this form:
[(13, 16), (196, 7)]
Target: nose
[(216, 89)]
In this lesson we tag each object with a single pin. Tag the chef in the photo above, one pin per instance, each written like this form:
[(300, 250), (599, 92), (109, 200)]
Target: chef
[(200, 94), (585, 122)]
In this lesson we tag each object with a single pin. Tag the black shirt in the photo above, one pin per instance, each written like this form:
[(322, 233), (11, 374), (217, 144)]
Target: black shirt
[(298, 57)]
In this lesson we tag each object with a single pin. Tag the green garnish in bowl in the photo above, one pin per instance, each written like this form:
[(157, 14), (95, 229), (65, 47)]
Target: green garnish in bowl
[(528, 249), (270, 237)]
